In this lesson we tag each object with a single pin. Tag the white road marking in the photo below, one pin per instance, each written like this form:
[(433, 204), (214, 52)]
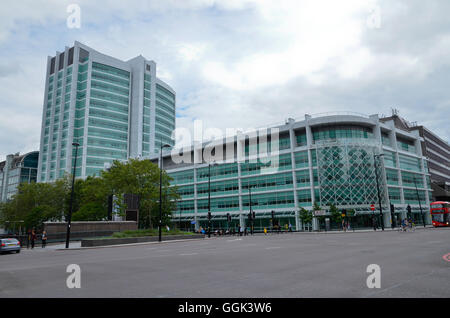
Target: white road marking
[(187, 254), (239, 239), (273, 247)]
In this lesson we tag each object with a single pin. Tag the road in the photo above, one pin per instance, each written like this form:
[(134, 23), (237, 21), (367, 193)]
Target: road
[(279, 265)]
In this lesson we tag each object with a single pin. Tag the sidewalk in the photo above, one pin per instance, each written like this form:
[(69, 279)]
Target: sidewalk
[(52, 246), (367, 230)]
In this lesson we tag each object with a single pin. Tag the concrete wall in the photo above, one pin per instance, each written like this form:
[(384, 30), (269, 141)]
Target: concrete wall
[(132, 240), (92, 226)]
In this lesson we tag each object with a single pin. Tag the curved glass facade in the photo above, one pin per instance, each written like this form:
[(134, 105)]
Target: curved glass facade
[(340, 164)]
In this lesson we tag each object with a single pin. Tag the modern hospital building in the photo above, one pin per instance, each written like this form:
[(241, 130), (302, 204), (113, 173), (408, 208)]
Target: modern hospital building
[(113, 109), (323, 159)]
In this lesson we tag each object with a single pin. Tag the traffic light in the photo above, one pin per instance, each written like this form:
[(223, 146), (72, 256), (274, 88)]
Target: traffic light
[(254, 215), (273, 215), (393, 220), (249, 215), (229, 217), (408, 209), (344, 213), (209, 215)]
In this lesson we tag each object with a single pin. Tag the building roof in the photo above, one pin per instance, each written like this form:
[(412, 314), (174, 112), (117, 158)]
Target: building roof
[(28, 160)]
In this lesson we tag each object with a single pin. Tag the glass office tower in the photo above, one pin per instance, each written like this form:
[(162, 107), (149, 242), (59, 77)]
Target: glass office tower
[(17, 169), (322, 160), (114, 109)]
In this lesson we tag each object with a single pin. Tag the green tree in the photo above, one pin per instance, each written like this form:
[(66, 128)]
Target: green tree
[(305, 215), (35, 203), (141, 177), (92, 211), (38, 215), (336, 215)]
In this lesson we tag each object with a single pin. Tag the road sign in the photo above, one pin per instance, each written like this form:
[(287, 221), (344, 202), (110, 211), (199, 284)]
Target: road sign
[(372, 207), (320, 213), (192, 222)]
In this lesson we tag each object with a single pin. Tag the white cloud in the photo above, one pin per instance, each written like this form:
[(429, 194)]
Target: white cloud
[(240, 63)]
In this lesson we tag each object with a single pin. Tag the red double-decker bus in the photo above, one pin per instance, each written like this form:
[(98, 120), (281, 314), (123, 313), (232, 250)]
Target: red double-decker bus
[(440, 213)]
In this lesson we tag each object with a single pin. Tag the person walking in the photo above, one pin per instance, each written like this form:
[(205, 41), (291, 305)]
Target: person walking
[(28, 238), (290, 227), (241, 230), (44, 238), (33, 238), (265, 231)]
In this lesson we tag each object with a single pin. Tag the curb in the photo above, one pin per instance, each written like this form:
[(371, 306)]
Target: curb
[(125, 245)]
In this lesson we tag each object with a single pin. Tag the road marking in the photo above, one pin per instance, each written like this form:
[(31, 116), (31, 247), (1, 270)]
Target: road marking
[(239, 239), (446, 257), (187, 254), (273, 247)]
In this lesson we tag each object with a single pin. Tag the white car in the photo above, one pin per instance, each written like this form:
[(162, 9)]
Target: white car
[(9, 245)]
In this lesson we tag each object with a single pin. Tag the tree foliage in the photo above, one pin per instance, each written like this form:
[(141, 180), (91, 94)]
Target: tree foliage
[(305, 215), (335, 214), (141, 177), (36, 203)]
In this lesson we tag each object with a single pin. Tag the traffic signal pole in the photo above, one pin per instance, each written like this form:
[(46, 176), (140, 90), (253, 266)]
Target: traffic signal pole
[(378, 189)]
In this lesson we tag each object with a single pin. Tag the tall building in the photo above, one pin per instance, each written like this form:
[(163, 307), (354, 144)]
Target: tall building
[(345, 159), (114, 109), (436, 150), (17, 169)]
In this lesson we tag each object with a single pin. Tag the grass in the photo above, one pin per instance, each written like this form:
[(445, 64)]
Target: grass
[(148, 232)]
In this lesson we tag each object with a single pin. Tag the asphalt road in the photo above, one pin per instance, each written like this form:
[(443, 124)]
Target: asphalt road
[(284, 265)]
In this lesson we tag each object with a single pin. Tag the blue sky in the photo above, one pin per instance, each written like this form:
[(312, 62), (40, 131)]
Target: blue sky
[(240, 64)]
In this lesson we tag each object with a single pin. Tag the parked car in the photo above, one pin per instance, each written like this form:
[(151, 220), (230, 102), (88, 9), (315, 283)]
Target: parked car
[(9, 245)]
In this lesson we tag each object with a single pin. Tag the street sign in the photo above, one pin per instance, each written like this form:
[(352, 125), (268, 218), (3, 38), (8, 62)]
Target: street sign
[(320, 213), (192, 222), (372, 207)]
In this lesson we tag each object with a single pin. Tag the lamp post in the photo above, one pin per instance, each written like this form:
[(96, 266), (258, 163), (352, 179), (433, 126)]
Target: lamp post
[(251, 215), (209, 197), (378, 188), (69, 217), (160, 189), (418, 198)]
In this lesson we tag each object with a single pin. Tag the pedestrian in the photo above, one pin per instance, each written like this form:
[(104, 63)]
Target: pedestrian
[(290, 227), (241, 231), (33, 238), (28, 238), (265, 231), (44, 238)]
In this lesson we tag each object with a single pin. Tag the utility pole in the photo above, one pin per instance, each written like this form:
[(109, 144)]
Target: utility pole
[(69, 217), (378, 188), (418, 198), (160, 190)]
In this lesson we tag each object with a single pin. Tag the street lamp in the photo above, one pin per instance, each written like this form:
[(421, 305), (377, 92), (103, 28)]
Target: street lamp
[(69, 217), (418, 198), (209, 197), (160, 188), (378, 188), (251, 214)]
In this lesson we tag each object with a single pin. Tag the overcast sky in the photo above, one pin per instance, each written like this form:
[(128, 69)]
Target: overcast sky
[(239, 64)]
